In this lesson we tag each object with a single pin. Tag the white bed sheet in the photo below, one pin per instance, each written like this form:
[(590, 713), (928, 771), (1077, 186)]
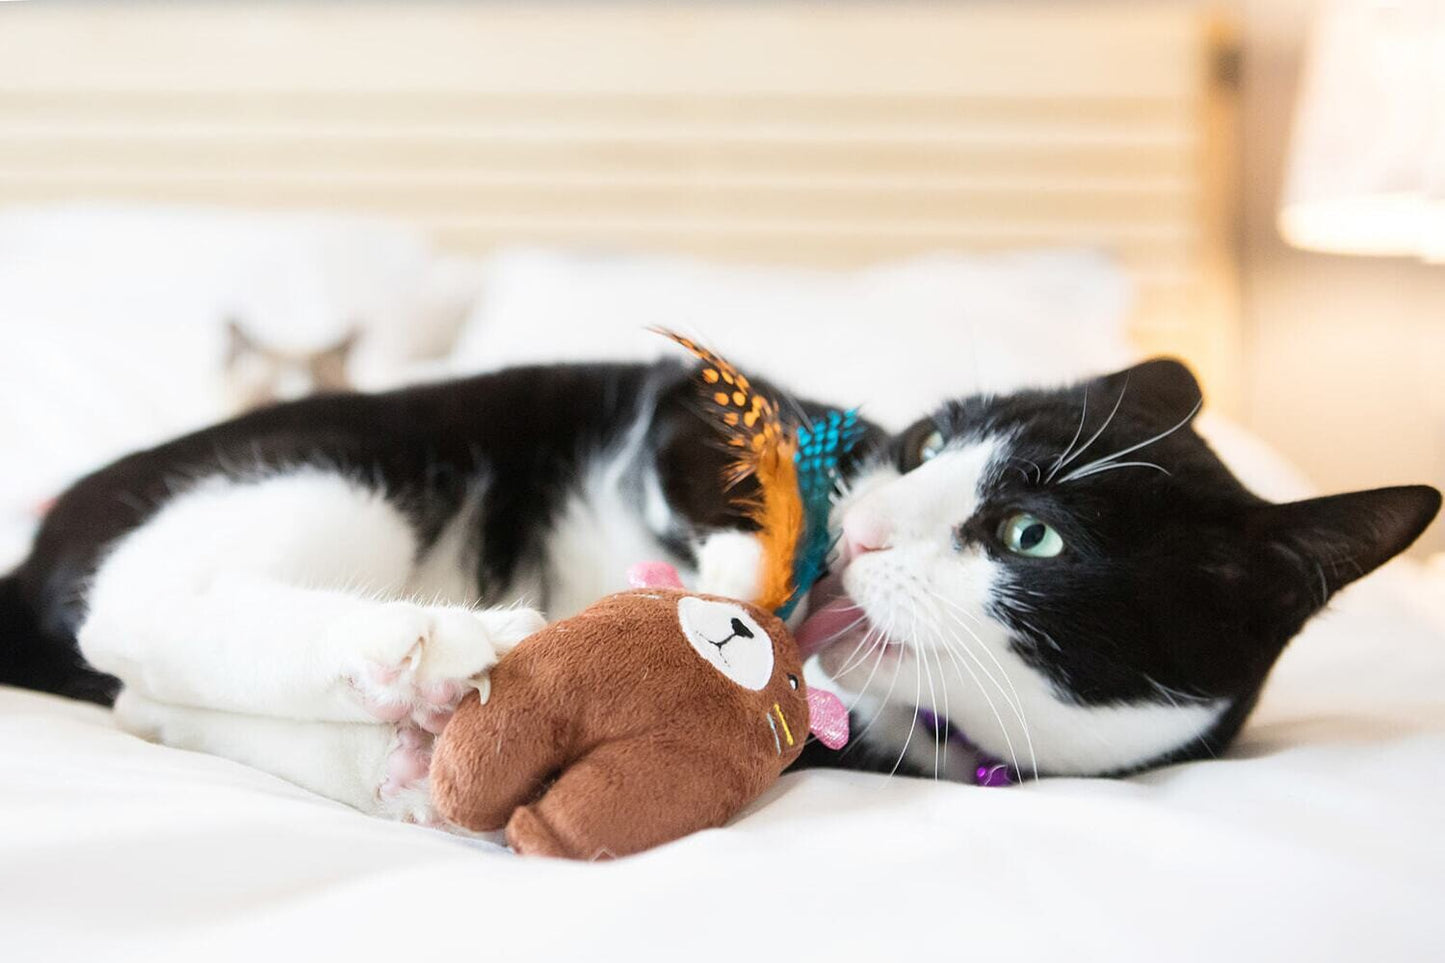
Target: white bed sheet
[(1318, 837)]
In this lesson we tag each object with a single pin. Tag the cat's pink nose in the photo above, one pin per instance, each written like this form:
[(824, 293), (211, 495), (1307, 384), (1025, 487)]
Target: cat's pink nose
[(863, 532)]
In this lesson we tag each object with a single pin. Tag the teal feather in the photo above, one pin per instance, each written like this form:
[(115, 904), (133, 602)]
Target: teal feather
[(821, 448)]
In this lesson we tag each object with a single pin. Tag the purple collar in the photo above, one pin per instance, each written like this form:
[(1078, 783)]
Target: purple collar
[(989, 771)]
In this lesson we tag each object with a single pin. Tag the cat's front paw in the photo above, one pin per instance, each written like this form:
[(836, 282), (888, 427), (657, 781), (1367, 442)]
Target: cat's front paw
[(416, 662), (404, 792), (729, 563)]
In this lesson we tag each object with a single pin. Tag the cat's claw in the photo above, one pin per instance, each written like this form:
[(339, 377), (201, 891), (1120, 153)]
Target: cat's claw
[(419, 661)]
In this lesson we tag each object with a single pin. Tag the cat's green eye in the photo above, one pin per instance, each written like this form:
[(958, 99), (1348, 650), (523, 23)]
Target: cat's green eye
[(1024, 534), (931, 446)]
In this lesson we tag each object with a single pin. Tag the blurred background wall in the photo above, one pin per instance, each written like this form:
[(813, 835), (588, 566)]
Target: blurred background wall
[(1345, 355), (1341, 358)]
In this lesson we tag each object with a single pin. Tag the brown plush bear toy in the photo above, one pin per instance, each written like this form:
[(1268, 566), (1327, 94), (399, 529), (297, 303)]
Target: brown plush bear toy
[(651, 715)]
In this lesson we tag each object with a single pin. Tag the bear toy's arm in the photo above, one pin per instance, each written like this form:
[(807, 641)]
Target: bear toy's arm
[(632, 794)]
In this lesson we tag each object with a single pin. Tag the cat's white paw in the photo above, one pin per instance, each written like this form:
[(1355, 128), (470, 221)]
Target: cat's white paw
[(404, 791), (416, 662), (412, 805), (510, 626), (730, 564), (408, 762)]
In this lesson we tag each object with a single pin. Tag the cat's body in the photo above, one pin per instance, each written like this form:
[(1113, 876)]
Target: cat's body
[(309, 587), (278, 566)]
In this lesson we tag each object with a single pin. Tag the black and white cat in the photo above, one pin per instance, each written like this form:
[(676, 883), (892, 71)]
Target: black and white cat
[(1070, 577), (1076, 582)]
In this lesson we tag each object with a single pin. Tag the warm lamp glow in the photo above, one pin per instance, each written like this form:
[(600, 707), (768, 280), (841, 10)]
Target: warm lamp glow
[(1367, 162), (1378, 224)]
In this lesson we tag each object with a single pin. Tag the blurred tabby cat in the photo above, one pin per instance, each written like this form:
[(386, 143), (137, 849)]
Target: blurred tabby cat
[(258, 374)]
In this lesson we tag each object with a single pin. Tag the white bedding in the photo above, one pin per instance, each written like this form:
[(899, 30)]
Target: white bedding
[(1318, 837)]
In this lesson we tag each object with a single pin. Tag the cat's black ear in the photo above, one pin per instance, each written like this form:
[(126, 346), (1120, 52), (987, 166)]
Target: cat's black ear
[(1163, 387), (1339, 538)]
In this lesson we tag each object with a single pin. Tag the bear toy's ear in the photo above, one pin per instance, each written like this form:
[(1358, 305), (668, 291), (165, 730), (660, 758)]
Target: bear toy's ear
[(646, 575)]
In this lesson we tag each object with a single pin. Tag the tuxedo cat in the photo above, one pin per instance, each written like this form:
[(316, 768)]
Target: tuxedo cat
[(1070, 578), (1075, 582)]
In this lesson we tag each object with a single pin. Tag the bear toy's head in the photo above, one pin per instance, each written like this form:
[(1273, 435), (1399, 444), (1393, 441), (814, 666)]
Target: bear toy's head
[(651, 714), (723, 659)]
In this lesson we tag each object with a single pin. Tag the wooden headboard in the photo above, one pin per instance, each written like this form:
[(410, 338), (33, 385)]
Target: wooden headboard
[(771, 132)]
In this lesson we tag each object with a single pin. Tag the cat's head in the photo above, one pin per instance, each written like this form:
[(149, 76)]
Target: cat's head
[(1077, 582), (256, 373)]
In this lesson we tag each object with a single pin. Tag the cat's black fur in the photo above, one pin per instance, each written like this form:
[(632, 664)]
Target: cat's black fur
[(1179, 585), (525, 430)]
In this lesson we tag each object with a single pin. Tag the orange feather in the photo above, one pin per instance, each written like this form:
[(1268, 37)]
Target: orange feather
[(778, 512), (749, 422)]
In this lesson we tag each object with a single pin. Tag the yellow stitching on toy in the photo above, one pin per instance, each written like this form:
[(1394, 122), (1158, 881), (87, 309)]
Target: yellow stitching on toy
[(783, 719)]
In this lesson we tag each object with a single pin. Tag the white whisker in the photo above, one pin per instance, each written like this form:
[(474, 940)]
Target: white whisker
[(881, 648), (1038, 472), (857, 740), (943, 687), (1176, 696), (877, 638), (903, 753), (932, 695), (1133, 448), (1095, 436), (913, 726), (1017, 702), (844, 631), (1111, 466), (1083, 416), (988, 699)]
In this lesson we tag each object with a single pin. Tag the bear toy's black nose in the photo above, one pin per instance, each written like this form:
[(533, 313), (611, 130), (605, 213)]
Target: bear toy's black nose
[(742, 630)]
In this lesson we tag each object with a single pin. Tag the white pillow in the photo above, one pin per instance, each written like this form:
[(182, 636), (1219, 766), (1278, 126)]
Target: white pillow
[(896, 338), (112, 319)]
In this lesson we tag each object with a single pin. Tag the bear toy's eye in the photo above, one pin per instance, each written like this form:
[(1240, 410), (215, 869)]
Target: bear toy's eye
[(792, 681)]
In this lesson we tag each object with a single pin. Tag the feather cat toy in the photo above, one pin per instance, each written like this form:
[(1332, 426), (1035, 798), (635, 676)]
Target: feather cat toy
[(797, 470), (658, 712), (821, 448)]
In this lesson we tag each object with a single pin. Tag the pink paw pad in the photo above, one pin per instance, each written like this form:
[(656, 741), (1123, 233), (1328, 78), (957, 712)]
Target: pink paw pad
[(387, 696), (371, 691), (443, 695), (386, 711), (433, 720), (415, 663), (380, 675), (408, 763)]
